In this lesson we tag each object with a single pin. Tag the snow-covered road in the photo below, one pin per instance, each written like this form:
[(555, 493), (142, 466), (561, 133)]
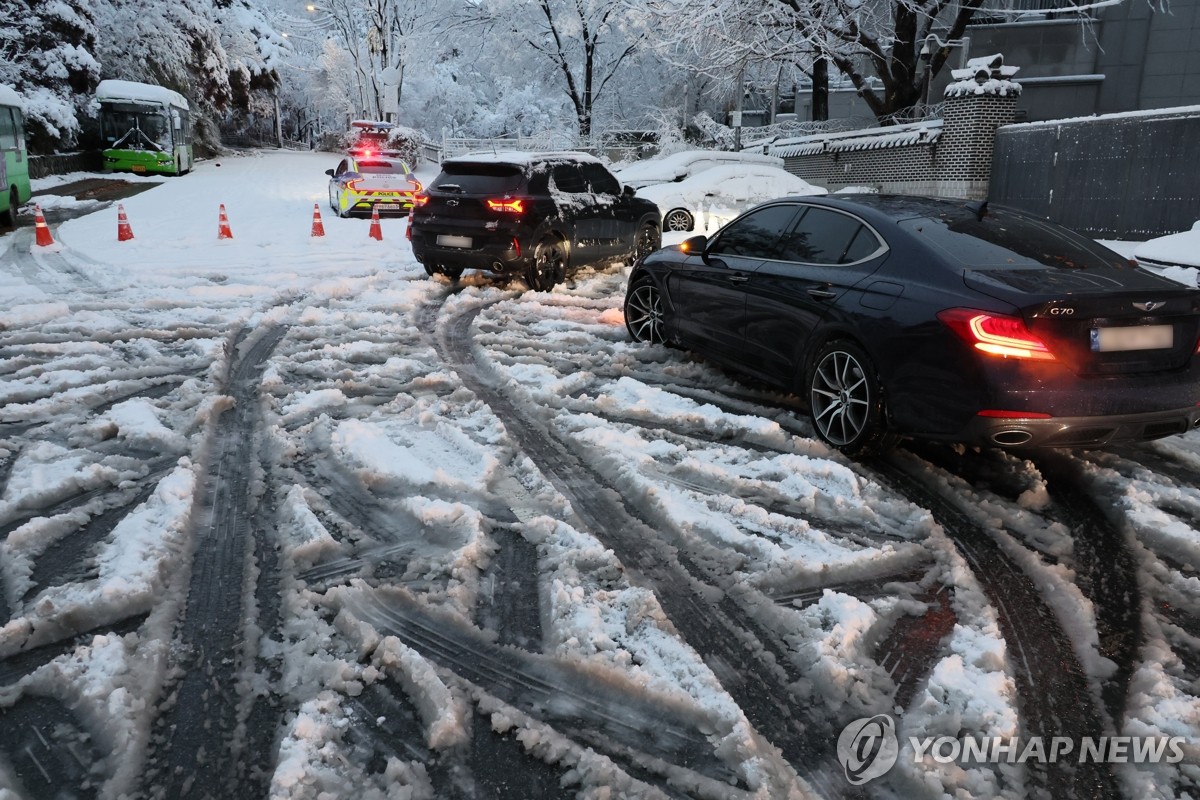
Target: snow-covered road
[(281, 516)]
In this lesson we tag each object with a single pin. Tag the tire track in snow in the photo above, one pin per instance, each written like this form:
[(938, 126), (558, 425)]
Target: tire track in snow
[(1105, 571), (1102, 560), (574, 700), (192, 753), (752, 668), (1052, 688), (49, 752)]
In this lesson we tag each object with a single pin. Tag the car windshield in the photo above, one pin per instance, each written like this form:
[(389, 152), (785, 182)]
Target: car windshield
[(1000, 238), (480, 178)]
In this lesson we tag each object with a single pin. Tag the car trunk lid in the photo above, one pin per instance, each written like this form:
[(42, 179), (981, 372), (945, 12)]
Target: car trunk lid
[(1103, 321)]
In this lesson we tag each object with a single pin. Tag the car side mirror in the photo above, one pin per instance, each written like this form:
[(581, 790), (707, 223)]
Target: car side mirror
[(629, 191), (694, 245), (329, 172)]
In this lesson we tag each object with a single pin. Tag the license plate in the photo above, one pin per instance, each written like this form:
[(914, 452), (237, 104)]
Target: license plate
[(139, 168), (388, 206), (454, 241), (1137, 337)]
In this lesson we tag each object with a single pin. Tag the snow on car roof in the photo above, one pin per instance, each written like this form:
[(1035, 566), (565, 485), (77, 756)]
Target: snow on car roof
[(9, 96), (131, 91), (1176, 248), (710, 181), (670, 166), (521, 157)]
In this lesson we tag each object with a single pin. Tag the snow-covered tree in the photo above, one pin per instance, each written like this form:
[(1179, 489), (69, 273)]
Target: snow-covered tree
[(176, 45), (585, 43), (874, 43), (47, 52)]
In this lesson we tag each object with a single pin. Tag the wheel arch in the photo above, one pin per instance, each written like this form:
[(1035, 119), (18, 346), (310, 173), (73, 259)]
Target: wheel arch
[(807, 354)]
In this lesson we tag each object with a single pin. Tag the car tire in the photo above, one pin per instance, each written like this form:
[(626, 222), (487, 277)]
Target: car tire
[(647, 240), (548, 266), (644, 315), (678, 219), (846, 400), (8, 216)]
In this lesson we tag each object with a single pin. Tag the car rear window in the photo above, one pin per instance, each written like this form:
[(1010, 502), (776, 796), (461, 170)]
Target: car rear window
[(380, 167), (1003, 239), (480, 178)]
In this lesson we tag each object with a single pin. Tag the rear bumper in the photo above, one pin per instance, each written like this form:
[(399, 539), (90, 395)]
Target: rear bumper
[(356, 203), (501, 251), (1089, 431)]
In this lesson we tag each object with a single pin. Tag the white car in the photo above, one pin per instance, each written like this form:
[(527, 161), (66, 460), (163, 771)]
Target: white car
[(678, 166), (706, 201), (1176, 256)]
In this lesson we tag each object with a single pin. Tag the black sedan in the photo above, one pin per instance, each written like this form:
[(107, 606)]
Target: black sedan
[(937, 319)]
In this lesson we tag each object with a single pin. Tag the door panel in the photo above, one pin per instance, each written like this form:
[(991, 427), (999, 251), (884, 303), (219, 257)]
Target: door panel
[(709, 291), (788, 299)]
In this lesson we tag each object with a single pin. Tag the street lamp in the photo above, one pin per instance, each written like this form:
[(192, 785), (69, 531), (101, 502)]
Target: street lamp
[(927, 50)]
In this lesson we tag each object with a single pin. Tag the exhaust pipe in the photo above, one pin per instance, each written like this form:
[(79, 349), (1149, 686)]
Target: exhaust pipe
[(1011, 438)]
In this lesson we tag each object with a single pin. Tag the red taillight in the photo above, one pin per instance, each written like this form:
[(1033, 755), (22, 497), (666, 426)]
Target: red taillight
[(416, 184), (507, 206), (995, 334), (997, 414), (420, 200), (353, 183)]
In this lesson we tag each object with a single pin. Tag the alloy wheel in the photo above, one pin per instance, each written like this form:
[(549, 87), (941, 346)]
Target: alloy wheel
[(841, 398), (548, 267), (644, 314), (677, 220)]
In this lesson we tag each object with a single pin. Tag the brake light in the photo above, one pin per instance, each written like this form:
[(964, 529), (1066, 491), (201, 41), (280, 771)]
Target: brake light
[(507, 206), (353, 183), (420, 200), (996, 334)]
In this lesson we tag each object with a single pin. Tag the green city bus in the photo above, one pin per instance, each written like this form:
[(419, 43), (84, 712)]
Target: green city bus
[(145, 128), (14, 168)]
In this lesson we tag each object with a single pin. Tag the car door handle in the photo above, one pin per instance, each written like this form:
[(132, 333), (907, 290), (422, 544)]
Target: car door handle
[(822, 294), (739, 277)]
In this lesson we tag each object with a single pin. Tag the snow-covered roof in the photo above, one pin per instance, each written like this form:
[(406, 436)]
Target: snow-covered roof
[(863, 139), (133, 92), (9, 96), (1177, 111)]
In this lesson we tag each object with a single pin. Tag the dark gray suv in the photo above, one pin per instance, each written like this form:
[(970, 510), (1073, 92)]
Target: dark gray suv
[(531, 214)]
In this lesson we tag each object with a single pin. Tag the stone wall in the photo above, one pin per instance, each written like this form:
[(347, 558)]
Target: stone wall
[(950, 157)]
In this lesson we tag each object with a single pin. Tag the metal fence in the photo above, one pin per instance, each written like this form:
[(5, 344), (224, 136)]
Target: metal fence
[(1117, 177)]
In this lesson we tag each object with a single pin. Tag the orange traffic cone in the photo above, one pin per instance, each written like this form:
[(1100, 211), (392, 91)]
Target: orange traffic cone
[(376, 231), (223, 231), (124, 232), (42, 230), (318, 228)]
